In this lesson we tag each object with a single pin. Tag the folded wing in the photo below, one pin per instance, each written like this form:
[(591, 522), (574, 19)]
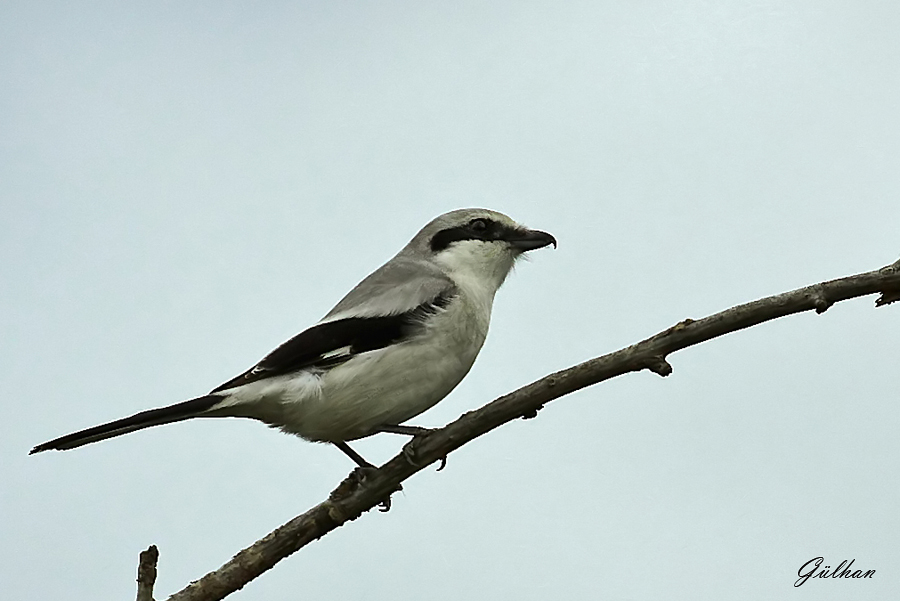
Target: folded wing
[(331, 343)]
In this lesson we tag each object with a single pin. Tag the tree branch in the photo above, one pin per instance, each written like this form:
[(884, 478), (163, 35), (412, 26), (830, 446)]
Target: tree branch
[(358, 494)]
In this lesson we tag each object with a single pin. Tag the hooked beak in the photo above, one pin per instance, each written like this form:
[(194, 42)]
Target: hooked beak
[(525, 240)]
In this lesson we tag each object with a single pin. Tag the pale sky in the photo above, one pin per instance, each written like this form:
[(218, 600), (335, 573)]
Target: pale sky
[(182, 188)]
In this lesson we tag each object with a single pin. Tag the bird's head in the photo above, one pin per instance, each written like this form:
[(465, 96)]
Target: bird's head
[(477, 243)]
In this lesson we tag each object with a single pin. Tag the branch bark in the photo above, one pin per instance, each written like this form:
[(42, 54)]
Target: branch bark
[(357, 494)]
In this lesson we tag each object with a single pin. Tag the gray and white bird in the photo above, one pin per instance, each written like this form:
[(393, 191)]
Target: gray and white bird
[(397, 344)]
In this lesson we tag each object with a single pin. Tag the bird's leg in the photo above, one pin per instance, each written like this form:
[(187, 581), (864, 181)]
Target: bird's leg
[(358, 476), (406, 430), (409, 450), (362, 463)]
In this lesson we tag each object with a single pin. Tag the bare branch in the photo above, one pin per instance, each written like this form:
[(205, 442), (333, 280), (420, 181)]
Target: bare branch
[(359, 494), (147, 573)]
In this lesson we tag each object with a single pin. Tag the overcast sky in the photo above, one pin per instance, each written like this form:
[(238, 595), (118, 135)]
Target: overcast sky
[(183, 187)]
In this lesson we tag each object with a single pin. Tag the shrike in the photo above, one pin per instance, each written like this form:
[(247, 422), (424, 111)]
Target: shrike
[(398, 343)]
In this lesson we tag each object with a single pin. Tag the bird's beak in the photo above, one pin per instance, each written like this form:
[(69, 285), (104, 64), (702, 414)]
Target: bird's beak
[(526, 240)]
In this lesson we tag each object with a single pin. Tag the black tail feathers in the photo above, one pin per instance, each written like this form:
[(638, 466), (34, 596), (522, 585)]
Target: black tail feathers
[(139, 421)]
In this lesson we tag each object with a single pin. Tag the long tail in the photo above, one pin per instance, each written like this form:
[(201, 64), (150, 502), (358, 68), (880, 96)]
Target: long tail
[(138, 421)]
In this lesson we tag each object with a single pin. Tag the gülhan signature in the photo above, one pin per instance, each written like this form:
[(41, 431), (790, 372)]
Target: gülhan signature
[(813, 569)]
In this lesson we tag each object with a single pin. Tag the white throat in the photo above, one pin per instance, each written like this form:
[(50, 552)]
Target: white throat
[(480, 267)]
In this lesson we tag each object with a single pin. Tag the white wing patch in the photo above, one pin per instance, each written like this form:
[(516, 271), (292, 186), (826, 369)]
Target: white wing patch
[(344, 351)]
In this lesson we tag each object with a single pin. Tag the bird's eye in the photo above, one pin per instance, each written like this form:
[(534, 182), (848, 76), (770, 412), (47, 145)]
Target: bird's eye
[(479, 225)]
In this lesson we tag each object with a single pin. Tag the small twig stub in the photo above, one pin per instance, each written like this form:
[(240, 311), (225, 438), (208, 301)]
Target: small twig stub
[(146, 576)]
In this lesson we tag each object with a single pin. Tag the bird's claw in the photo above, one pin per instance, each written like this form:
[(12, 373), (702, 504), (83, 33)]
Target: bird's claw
[(362, 473), (409, 451), (356, 479)]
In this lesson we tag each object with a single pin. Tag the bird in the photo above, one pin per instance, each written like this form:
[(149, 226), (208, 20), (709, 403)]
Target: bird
[(393, 347)]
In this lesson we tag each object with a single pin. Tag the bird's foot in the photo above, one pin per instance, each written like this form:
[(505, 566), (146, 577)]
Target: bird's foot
[(361, 474), (409, 449), (357, 478)]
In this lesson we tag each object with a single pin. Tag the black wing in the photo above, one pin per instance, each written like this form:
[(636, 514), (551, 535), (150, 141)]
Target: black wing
[(328, 344)]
